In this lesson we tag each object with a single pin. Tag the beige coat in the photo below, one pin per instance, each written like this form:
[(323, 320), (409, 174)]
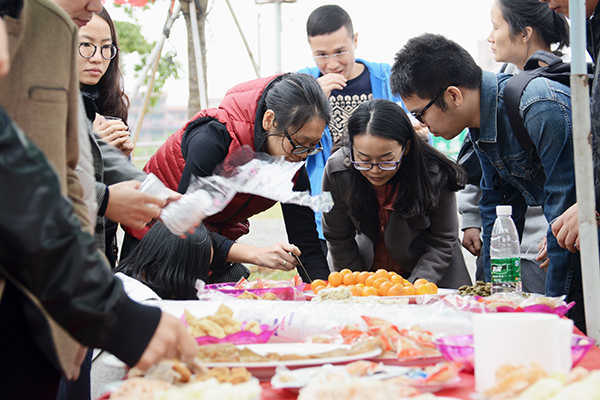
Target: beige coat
[(41, 92)]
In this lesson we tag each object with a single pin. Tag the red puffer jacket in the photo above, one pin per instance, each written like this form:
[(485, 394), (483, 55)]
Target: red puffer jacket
[(237, 112)]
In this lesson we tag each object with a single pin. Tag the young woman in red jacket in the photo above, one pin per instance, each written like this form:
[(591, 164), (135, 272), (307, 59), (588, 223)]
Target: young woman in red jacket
[(281, 115)]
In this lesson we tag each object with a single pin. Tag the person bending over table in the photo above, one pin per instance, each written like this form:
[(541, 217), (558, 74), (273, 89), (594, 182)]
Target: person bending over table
[(395, 201), (282, 115)]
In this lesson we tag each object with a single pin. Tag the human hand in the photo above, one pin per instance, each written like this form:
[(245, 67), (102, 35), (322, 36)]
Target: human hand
[(543, 254), (566, 229), (472, 241), (331, 82), (279, 256), (421, 130), (114, 132), (170, 340), (4, 53), (130, 207)]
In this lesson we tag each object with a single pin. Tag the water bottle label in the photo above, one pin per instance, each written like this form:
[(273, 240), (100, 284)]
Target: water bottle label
[(506, 270)]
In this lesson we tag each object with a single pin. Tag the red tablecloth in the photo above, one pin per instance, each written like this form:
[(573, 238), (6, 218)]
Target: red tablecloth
[(462, 391)]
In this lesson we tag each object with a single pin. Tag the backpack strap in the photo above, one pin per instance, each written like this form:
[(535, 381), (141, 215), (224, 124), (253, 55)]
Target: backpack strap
[(512, 98)]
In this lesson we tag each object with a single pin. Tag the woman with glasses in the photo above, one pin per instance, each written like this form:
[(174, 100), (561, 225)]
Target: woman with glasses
[(101, 82), (280, 115), (395, 201)]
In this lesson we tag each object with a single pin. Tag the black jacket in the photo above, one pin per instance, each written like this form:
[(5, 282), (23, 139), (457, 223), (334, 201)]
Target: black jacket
[(43, 251)]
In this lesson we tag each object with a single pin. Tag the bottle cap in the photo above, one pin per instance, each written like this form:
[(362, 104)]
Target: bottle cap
[(503, 210)]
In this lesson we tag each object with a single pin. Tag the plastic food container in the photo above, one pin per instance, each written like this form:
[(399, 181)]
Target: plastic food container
[(461, 350)]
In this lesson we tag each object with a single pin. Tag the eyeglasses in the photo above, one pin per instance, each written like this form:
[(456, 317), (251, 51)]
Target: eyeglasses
[(324, 58), (108, 51), (384, 165), (304, 149), (419, 115)]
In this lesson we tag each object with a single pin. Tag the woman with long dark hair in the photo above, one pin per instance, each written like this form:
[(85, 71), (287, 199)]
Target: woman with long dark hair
[(101, 81), (395, 201), (282, 115)]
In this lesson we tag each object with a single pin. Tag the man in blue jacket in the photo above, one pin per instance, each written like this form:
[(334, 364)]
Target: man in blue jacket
[(443, 87), (346, 80)]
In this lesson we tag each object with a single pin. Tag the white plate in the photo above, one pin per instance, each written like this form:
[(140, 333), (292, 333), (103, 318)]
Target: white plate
[(265, 370), (304, 375)]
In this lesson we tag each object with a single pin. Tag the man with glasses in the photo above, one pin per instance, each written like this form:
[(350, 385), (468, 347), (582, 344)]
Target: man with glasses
[(346, 80), (441, 84)]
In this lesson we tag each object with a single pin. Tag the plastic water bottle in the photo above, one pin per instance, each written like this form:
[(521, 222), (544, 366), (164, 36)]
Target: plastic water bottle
[(505, 253)]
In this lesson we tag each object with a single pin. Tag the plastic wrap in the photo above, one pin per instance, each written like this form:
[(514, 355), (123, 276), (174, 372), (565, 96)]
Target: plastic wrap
[(509, 302), (282, 290), (262, 175), (296, 321)]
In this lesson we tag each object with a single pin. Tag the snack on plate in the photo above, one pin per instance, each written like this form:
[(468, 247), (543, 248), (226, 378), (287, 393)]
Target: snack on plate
[(227, 352), (352, 388), (480, 288), (251, 296), (139, 389), (405, 343), (234, 376), (579, 384), (170, 371), (344, 295), (219, 325), (211, 389)]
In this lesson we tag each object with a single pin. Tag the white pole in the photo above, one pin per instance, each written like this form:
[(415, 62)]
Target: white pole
[(198, 55), (584, 175), (155, 52), (277, 5)]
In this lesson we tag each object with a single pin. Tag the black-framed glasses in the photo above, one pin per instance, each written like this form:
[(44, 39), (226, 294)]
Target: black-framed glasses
[(324, 58), (107, 51), (419, 115), (304, 149), (367, 166)]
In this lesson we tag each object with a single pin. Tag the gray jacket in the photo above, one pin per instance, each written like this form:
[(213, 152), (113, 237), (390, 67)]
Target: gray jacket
[(427, 246), (110, 167)]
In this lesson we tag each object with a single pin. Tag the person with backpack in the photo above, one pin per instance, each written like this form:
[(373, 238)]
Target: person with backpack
[(566, 227), (519, 29), (444, 88)]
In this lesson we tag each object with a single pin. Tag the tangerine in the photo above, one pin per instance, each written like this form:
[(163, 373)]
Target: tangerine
[(384, 288), (345, 272), (335, 279), (410, 290), (424, 289), (378, 282), (370, 291), (396, 279), (396, 290), (362, 277), (433, 286), (382, 273), (317, 289), (420, 281), (369, 281), (316, 283), (356, 291), (349, 279)]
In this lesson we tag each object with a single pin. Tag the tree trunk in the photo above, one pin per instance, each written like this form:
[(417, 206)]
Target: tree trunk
[(194, 99)]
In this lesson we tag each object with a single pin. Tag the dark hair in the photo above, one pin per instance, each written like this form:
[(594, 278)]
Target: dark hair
[(428, 63), (112, 100), (297, 99), (168, 264), (415, 190), (328, 19), (551, 27)]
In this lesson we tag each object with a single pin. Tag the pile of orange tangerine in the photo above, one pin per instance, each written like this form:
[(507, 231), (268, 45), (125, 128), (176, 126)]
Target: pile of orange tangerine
[(378, 283)]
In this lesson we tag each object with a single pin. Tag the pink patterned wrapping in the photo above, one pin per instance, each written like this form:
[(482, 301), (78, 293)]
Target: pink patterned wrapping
[(287, 292), (243, 337)]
